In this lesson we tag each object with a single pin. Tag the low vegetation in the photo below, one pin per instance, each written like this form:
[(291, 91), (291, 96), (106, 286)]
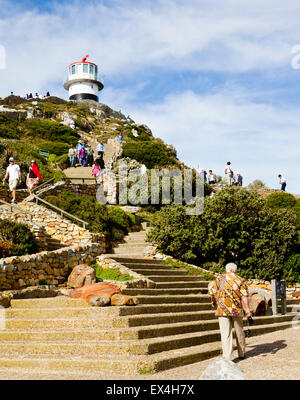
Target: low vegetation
[(236, 225), (110, 220), (111, 274), (16, 239)]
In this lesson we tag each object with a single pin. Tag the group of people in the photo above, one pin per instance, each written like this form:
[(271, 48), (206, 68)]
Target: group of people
[(83, 153), (37, 96), (230, 177), (13, 174)]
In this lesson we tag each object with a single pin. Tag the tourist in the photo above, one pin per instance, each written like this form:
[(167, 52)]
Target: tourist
[(228, 173), (212, 178), (47, 94), (203, 174), (33, 177), (239, 179), (143, 169), (96, 171), (13, 172), (234, 180), (120, 137), (90, 156), (82, 156), (72, 154), (230, 293), (100, 149), (282, 182), (78, 148)]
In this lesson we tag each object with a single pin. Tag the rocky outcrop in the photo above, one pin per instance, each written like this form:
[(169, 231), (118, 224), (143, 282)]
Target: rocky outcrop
[(80, 276), (101, 109), (259, 300)]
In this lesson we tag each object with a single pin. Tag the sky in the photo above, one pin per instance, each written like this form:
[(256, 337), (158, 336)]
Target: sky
[(218, 79)]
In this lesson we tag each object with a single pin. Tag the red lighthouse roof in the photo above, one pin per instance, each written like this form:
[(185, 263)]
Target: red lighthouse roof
[(82, 61)]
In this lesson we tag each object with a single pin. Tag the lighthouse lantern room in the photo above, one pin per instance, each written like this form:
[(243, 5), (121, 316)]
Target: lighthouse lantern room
[(82, 81)]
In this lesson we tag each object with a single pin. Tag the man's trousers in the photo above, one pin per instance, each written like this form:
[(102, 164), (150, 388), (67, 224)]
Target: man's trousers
[(226, 325)]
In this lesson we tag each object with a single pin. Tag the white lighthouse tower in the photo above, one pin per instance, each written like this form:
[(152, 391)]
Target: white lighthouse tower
[(82, 82)]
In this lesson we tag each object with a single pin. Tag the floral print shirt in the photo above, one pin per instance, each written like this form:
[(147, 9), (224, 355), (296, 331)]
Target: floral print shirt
[(228, 290)]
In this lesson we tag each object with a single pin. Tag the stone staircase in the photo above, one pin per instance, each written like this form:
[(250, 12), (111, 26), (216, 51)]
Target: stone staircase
[(172, 326), (133, 244)]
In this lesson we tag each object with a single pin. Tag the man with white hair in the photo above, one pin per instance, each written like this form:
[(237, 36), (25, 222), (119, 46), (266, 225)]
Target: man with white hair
[(230, 293)]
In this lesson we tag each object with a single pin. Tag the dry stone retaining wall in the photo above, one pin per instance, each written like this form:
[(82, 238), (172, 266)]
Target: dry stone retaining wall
[(49, 266)]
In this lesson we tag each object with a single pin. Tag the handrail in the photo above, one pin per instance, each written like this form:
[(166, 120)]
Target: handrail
[(66, 178), (43, 184), (11, 205), (62, 212)]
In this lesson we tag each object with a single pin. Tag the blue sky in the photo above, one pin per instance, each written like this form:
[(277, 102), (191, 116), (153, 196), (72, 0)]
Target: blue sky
[(213, 78)]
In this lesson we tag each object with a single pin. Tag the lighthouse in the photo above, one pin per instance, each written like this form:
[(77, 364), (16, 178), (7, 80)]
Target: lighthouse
[(82, 81)]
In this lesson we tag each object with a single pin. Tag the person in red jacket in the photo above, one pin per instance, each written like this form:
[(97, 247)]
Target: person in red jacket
[(33, 177)]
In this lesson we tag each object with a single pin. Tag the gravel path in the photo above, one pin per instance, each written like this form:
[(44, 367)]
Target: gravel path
[(271, 356)]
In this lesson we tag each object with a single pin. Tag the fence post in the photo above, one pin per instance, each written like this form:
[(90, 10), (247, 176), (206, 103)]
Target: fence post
[(274, 297)]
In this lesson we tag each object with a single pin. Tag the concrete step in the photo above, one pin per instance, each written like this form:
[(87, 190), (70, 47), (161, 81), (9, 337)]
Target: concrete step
[(174, 299), (170, 318), (64, 323), (50, 302), (176, 278), (133, 260), (164, 308), (143, 265), (192, 285), (164, 272), (164, 292), (131, 246), (199, 326)]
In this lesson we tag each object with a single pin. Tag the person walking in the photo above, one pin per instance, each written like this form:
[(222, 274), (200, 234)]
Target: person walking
[(239, 179), (282, 182), (228, 173), (120, 137), (33, 177), (78, 148), (72, 154), (96, 171), (13, 173), (230, 294), (89, 156), (212, 178), (82, 155), (100, 149)]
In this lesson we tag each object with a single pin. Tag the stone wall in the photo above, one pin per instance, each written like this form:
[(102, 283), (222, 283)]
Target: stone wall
[(47, 266), (56, 227), (78, 189)]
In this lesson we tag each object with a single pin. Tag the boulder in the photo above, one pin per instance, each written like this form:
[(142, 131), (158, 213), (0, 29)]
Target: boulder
[(100, 289), (81, 275), (297, 295), (123, 300), (221, 369), (98, 301)]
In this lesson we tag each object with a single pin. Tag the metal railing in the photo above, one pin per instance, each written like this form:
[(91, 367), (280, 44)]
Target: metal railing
[(62, 212), (43, 184), (12, 206)]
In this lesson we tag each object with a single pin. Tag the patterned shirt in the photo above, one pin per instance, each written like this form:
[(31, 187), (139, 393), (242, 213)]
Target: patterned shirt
[(228, 290)]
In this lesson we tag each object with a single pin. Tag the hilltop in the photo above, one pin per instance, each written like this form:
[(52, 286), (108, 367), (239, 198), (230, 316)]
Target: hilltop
[(53, 124)]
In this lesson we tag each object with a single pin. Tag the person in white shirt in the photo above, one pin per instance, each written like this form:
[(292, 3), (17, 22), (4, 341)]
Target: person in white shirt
[(100, 150), (228, 173), (143, 169), (13, 172), (212, 178), (282, 182), (72, 154)]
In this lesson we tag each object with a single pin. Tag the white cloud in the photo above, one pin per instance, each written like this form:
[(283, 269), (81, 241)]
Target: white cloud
[(260, 140)]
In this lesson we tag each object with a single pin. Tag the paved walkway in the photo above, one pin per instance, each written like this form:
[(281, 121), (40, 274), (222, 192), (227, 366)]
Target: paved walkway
[(273, 356)]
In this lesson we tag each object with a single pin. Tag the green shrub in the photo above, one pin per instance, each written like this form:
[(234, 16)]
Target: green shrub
[(291, 269), (56, 148), (111, 274), (9, 129), (50, 130), (109, 220), (281, 200), (235, 226), (151, 153), (16, 238)]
